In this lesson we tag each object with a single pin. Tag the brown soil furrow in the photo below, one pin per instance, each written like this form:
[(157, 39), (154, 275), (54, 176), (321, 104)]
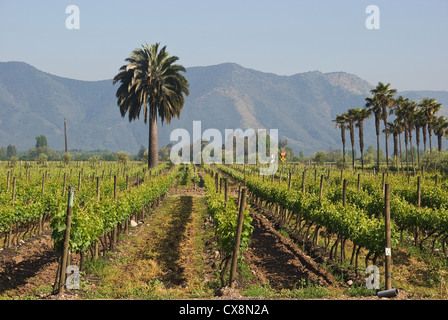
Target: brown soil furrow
[(276, 258)]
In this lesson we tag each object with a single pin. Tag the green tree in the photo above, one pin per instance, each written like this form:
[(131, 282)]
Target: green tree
[(404, 111), (412, 107), (67, 158), (350, 119), (164, 152), (123, 157), (320, 157), (11, 151), (398, 124), (340, 121), (141, 153), (360, 115), (283, 147), (440, 127), (41, 141), (393, 129), (373, 107), (153, 82), (419, 119), (42, 159), (371, 153), (429, 106)]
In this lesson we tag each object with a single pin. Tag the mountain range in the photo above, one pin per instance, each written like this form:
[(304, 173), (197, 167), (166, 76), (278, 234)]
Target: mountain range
[(224, 96)]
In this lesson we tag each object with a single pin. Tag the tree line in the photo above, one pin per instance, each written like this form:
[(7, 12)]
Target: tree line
[(41, 153), (411, 119)]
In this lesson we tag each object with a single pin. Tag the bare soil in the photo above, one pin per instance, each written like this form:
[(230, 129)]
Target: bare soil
[(28, 269), (275, 258)]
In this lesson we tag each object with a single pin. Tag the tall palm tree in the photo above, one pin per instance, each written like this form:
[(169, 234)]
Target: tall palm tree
[(403, 111), (373, 107), (440, 127), (340, 121), (361, 114), (153, 82), (429, 106), (393, 128), (411, 111), (418, 119), (350, 119), (384, 98), (399, 129), (423, 104)]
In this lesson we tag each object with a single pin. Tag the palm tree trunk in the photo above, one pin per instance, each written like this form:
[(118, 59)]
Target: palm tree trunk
[(430, 143), (406, 147), (377, 126), (352, 140), (378, 152), (424, 137), (153, 151), (401, 156), (417, 139), (410, 143), (361, 143), (343, 145), (439, 140), (395, 135)]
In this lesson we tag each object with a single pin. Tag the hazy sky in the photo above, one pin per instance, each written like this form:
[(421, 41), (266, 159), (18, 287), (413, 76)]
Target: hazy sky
[(410, 50)]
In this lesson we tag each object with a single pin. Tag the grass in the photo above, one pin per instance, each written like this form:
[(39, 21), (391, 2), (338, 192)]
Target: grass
[(303, 292), (164, 260)]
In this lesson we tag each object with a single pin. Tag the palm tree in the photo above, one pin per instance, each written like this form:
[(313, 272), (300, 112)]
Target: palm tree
[(419, 120), (422, 107), (350, 119), (440, 127), (340, 122), (384, 98), (399, 125), (403, 111), (373, 107), (399, 129), (361, 114), (429, 106), (411, 109), (151, 78), (393, 128)]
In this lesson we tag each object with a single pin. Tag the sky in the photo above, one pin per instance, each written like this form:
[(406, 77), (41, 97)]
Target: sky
[(285, 37)]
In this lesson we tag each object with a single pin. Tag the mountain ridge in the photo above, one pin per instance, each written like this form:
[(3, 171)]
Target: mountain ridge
[(222, 96)]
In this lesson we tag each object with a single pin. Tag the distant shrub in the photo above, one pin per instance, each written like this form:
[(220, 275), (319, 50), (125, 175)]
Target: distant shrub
[(436, 160)]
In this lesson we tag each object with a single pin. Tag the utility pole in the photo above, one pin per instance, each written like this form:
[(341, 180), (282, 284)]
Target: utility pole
[(65, 133)]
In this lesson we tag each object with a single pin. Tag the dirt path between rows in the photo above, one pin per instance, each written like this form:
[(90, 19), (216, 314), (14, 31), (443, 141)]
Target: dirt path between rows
[(276, 259), (28, 269)]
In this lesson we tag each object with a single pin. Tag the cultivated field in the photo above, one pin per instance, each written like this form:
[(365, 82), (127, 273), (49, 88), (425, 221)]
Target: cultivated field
[(169, 233)]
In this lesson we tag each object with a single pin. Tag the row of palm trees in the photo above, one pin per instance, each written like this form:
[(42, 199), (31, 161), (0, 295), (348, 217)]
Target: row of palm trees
[(410, 117)]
